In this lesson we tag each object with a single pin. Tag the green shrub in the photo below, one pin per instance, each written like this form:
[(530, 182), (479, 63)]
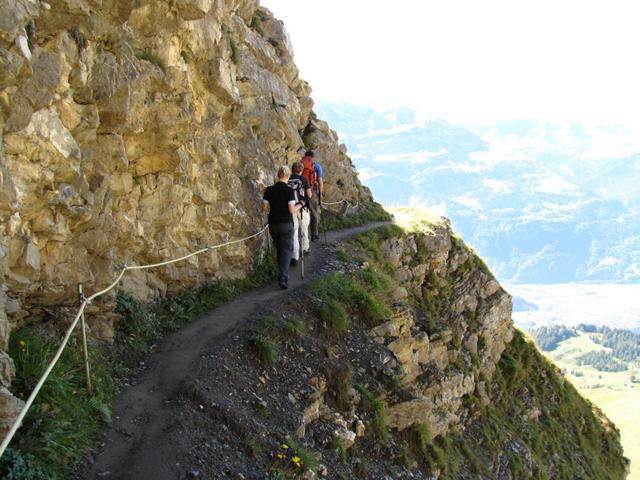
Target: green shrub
[(378, 282), (332, 286), (14, 465), (341, 288)]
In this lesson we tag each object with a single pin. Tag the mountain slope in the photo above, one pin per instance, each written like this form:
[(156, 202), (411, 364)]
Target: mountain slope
[(544, 203)]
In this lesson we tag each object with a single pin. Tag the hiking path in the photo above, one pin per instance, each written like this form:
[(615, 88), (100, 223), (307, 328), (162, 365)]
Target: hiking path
[(134, 445)]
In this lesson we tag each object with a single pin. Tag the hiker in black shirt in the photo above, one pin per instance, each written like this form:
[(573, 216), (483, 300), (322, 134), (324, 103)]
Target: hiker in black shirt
[(279, 199)]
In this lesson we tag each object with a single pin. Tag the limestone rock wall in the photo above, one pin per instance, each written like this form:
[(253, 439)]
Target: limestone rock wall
[(134, 132), (452, 347)]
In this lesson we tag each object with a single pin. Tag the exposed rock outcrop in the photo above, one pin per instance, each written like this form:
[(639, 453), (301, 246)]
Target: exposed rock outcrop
[(138, 132)]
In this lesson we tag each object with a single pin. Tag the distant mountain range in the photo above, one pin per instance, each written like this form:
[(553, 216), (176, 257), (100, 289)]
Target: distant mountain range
[(541, 202)]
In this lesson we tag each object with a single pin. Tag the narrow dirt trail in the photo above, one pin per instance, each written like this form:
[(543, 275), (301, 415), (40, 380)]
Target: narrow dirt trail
[(136, 445)]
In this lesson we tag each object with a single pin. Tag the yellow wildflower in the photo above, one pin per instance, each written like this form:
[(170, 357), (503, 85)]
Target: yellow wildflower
[(280, 456), (296, 461), (285, 446), (22, 344)]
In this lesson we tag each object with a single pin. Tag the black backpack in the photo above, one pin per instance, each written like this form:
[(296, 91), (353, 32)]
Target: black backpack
[(297, 186)]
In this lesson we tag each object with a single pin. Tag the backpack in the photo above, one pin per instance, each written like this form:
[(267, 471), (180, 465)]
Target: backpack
[(309, 171), (298, 190)]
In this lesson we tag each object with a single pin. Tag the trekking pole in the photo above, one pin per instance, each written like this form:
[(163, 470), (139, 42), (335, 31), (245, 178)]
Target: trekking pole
[(301, 249), (324, 229)]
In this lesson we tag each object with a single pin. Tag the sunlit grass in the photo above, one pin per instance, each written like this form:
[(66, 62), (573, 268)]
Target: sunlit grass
[(416, 219)]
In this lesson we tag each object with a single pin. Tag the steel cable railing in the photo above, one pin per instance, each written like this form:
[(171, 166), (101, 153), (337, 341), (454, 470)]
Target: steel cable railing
[(342, 201), (84, 301)]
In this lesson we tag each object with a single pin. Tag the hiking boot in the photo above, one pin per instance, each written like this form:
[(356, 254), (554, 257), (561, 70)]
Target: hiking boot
[(293, 262), (283, 285), (315, 238)]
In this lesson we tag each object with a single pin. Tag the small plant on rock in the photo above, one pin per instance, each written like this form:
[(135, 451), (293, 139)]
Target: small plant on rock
[(376, 408), (337, 445), (291, 459), (424, 436), (151, 57)]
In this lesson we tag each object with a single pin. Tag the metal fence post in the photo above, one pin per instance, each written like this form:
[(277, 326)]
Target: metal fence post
[(83, 329)]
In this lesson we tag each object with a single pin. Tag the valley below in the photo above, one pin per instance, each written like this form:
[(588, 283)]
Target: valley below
[(554, 307), (539, 305)]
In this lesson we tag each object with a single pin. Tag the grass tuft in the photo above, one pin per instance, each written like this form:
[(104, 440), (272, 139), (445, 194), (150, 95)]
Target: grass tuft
[(376, 408), (424, 436), (265, 349), (282, 328), (372, 212), (339, 287), (233, 46), (334, 317), (338, 446)]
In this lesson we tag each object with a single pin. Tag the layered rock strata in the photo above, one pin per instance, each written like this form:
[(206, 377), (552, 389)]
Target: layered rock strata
[(445, 350)]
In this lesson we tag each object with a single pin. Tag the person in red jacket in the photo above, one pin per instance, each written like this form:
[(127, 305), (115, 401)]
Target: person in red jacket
[(312, 171)]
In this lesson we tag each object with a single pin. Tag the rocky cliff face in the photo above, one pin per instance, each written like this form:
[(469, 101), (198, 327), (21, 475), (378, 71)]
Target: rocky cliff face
[(457, 339), (135, 132)]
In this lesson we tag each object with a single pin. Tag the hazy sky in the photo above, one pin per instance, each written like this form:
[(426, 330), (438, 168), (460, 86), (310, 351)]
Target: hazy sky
[(472, 61)]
